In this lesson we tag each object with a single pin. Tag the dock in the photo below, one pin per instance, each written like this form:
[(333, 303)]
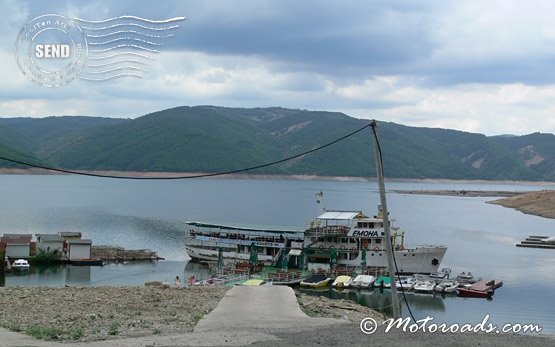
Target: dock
[(116, 253), (535, 241)]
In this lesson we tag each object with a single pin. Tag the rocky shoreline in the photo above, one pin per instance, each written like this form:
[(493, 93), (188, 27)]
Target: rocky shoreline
[(98, 313)]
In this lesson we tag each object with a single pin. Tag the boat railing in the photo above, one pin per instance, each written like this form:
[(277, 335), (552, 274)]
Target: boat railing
[(284, 276)]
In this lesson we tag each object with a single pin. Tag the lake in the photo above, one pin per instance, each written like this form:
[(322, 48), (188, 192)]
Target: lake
[(151, 214)]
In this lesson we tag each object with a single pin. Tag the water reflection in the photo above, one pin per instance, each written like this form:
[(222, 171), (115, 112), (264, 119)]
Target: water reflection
[(380, 299)]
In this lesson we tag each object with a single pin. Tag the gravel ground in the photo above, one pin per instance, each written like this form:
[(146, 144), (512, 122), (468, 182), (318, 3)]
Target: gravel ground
[(96, 313)]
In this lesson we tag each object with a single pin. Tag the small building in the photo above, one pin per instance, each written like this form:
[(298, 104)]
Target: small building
[(50, 242), (79, 249), (16, 245)]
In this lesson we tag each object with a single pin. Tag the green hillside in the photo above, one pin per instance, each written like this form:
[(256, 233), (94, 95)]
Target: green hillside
[(213, 139)]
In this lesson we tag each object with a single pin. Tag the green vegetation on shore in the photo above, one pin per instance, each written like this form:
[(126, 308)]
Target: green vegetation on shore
[(212, 139)]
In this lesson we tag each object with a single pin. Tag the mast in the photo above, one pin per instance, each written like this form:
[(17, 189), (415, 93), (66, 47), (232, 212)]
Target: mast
[(389, 249)]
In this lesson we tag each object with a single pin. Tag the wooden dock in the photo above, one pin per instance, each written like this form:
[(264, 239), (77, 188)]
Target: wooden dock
[(535, 241)]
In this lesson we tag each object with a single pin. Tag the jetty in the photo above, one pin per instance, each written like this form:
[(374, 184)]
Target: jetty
[(117, 254), (537, 242)]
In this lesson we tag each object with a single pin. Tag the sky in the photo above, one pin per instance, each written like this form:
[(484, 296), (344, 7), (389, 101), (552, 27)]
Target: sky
[(477, 66)]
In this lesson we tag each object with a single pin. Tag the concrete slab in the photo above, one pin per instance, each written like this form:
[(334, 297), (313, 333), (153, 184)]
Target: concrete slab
[(261, 308)]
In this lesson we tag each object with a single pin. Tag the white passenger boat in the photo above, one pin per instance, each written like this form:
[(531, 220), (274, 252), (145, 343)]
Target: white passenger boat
[(205, 242), (352, 239), (334, 238)]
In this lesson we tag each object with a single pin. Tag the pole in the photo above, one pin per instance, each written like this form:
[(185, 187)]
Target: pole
[(381, 184)]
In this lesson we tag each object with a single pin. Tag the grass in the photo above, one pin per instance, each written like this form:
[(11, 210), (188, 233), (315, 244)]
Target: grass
[(114, 329), (44, 333), (50, 333)]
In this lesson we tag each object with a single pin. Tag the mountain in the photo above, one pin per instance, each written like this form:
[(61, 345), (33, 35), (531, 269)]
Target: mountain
[(213, 139)]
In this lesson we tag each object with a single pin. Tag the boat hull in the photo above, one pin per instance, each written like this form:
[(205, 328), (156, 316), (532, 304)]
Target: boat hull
[(211, 255)]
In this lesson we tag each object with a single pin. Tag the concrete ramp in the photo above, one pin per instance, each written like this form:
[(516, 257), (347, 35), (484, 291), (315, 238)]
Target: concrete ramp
[(260, 308)]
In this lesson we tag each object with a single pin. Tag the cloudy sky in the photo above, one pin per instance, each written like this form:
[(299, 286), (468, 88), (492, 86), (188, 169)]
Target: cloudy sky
[(479, 66)]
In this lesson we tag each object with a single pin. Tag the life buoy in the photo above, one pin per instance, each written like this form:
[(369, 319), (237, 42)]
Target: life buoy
[(376, 249)]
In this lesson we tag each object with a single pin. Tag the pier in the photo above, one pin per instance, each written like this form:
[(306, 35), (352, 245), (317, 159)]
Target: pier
[(536, 242)]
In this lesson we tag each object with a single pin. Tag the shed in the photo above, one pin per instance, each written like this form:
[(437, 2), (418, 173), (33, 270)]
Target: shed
[(79, 249), (16, 245), (50, 242)]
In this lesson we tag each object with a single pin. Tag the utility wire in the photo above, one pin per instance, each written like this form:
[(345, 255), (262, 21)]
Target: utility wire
[(73, 172)]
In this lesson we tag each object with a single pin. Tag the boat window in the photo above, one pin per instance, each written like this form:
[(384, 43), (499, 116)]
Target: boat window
[(371, 225), (359, 225), (378, 241)]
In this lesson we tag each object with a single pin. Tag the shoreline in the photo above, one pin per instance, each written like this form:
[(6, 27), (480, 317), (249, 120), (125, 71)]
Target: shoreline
[(303, 177)]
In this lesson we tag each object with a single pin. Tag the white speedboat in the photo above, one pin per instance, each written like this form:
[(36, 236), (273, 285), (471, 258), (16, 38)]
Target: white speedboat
[(447, 286), (363, 281), (405, 283), (424, 286), (342, 282), (20, 265)]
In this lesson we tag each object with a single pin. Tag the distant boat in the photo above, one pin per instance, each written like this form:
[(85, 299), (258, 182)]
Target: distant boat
[(20, 265)]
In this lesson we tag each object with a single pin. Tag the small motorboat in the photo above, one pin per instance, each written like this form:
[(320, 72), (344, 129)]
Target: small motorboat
[(425, 286), (342, 282), (405, 282), (382, 282), (465, 277), (480, 289), (363, 281), (20, 265), (443, 274), (316, 282), (447, 286), (253, 282)]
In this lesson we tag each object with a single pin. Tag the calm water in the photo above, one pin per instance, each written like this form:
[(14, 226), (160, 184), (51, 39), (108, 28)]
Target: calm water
[(152, 214)]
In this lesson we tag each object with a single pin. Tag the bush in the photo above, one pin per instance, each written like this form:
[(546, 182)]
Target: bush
[(46, 257)]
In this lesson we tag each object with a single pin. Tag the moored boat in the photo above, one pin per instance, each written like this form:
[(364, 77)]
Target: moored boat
[(382, 282), (342, 282), (20, 265), (480, 289), (253, 282), (405, 282), (353, 239), (447, 286), (363, 281), (316, 282), (425, 286)]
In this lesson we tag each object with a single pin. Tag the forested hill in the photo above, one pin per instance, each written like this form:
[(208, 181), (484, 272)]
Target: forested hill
[(212, 139)]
